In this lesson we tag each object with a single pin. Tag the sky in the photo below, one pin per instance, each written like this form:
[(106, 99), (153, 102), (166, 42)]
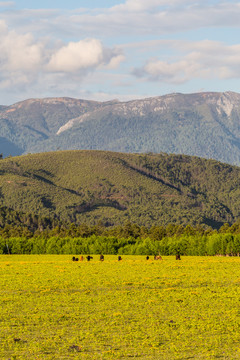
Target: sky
[(117, 49)]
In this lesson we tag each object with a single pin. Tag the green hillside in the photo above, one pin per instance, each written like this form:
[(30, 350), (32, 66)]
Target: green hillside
[(113, 188)]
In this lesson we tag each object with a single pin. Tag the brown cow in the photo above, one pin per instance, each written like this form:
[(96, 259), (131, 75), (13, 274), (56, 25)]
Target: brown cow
[(157, 257), (81, 258), (178, 257), (101, 257)]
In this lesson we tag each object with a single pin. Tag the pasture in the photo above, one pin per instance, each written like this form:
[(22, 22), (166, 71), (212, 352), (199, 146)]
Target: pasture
[(54, 308)]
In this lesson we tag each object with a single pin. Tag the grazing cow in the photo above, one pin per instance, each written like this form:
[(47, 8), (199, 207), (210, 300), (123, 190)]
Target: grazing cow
[(147, 258), (101, 257), (89, 258), (74, 258), (119, 258), (157, 257), (81, 258), (178, 257)]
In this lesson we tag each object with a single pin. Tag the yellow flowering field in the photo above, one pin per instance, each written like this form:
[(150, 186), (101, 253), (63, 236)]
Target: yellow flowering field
[(54, 308)]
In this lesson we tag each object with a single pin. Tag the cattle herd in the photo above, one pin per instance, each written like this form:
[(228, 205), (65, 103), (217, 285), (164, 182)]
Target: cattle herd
[(88, 258)]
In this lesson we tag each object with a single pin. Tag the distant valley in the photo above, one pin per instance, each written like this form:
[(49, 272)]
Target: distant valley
[(202, 124)]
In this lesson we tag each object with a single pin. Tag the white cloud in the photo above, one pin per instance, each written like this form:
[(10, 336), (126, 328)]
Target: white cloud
[(143, 5), (132, 17), (3, 27), (18, 52), (77, 55), (158, 17), (116, 61), (7, 3), (25, 60), (199, 60), (138, 5), (84, 55)]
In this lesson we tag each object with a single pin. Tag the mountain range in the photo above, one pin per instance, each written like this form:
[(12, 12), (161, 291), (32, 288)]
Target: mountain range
[(205, 124)]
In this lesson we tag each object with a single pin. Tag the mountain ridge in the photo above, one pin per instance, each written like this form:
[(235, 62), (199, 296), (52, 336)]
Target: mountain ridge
[(203, 124)]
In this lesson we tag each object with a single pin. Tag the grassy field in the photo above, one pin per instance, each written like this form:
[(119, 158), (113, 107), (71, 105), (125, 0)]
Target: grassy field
[(54, 308)]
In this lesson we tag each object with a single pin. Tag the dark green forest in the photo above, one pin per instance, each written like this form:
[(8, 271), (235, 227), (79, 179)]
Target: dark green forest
[(91, 187)]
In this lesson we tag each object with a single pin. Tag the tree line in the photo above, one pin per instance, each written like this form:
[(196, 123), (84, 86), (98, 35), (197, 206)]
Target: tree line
[(129, 239)]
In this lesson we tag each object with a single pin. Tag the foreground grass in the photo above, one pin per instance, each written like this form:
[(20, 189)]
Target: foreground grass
[(53, 308)]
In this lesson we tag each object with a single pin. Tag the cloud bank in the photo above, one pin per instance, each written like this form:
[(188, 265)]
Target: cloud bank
[(199, 60), (23, 59), (136, 46)]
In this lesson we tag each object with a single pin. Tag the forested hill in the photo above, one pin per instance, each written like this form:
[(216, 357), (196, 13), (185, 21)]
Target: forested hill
[(203, 124), (112, 188)]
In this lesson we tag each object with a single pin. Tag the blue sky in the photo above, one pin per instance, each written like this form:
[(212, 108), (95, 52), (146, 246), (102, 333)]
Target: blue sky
[(123, 49)]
